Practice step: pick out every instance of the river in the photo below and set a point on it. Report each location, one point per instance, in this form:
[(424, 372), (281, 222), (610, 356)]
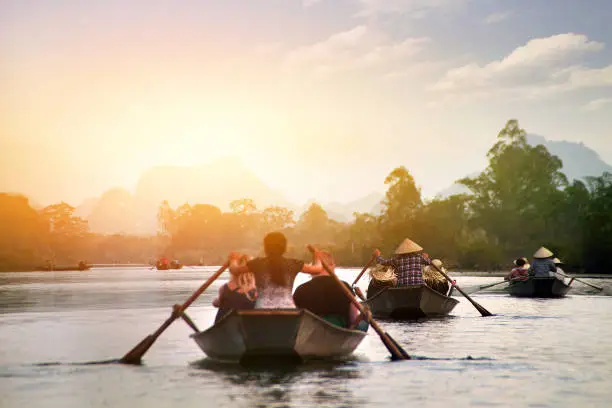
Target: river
[(531, 353)]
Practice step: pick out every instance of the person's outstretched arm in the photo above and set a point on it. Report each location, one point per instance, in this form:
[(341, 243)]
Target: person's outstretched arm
[(315, 268), (382, 261)]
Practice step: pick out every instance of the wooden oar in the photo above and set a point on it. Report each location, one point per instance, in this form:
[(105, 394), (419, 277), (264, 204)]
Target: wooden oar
[(397, 352), (134, 356), (365, 268), (484, 312), (579, 280), (493, 284)]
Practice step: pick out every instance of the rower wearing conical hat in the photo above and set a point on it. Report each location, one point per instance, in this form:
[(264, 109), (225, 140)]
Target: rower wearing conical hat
[(543, 265), (407, 262)]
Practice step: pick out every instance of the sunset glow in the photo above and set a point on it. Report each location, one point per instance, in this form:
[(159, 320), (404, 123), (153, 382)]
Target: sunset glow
[(319, 99)]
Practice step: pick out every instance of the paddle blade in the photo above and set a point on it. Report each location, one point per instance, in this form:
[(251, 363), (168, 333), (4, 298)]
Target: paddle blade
[(403, 354), (134, 356)]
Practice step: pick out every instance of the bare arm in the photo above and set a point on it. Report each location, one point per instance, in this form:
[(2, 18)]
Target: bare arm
[(314, 269), (235, 267)]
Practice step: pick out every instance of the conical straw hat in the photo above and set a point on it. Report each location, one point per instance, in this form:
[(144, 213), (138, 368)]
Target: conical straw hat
[(557, 261), (542, 253), (382, 273), (408, 247)]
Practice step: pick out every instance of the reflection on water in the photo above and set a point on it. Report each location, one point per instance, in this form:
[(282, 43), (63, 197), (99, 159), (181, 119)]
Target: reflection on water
[(533, 352)]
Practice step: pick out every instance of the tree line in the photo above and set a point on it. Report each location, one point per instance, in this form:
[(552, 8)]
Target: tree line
[(521, 201)]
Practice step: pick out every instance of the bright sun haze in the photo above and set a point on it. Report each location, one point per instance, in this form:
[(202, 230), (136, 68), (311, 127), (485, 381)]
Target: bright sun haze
[(319, 99)]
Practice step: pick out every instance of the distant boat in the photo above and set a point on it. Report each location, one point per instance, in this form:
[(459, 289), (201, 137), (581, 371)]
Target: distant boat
[(276, 334), (409, 302), (539, 288), (164, 265), (82, 266)]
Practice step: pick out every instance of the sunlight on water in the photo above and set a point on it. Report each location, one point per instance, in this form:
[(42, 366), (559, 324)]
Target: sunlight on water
[(532, 352)]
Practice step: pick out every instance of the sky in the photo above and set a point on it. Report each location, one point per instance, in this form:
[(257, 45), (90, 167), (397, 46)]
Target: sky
[(319, 98)]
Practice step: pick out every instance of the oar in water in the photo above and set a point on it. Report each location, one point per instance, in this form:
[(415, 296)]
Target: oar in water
[(365, 268), (579, 280), (134, 356), (492, 284), (484, 312), (397, 352)]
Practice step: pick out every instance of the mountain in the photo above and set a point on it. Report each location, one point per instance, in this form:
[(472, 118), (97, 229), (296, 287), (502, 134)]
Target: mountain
[(371, 203), (218, 183), (579, 161)]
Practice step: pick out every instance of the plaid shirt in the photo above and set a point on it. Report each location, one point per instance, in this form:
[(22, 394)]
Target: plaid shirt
[(408, 268)]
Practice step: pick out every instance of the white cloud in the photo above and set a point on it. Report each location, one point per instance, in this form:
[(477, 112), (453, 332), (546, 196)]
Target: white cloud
[(498, 17), (597, 104), (308, 3), (540, 67), (412, 8), (359, 48)]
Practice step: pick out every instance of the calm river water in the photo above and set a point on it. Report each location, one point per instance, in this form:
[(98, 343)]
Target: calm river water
[(532, 353)]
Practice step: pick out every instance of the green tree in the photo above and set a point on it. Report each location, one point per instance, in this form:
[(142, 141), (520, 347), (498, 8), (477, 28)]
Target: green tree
[(277, 218), (514, 198), (23, 233), (598, 225), (401, 205)]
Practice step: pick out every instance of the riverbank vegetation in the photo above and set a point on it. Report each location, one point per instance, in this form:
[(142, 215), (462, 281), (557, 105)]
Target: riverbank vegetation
[(521, 201)]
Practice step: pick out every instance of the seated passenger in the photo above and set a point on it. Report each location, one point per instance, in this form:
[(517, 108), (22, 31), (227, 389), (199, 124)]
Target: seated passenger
[(381, 277), (520, 271), (435, 279), (238, 293), (322, 296)]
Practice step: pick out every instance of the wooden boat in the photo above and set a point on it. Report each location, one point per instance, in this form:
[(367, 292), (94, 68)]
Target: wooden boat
[(60, 268), (279, 334), (161, 266), (409, 302), (539, 288)]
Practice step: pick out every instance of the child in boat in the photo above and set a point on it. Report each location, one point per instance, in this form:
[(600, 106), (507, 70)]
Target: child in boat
[(520, 272), (238, 293)]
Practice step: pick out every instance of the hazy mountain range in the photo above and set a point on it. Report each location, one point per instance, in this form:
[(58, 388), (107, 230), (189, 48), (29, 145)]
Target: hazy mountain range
[(579, 161), (121, 211)]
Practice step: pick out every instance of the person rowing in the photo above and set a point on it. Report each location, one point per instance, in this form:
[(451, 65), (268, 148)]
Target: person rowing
[(274, 274), (408, 263), (542, 265)]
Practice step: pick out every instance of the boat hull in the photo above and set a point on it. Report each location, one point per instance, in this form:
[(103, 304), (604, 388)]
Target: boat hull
[(410, 302), (539, 288), (295, 334)]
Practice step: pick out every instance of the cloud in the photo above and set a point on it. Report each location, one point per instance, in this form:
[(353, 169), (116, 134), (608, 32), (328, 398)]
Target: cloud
[(498, 17), (597, 104), (540, 67), (360, 48), (412, 8)]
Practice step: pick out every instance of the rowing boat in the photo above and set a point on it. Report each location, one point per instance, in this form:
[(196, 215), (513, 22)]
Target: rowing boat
[(409, 302), (291, 334), (539, 288)]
